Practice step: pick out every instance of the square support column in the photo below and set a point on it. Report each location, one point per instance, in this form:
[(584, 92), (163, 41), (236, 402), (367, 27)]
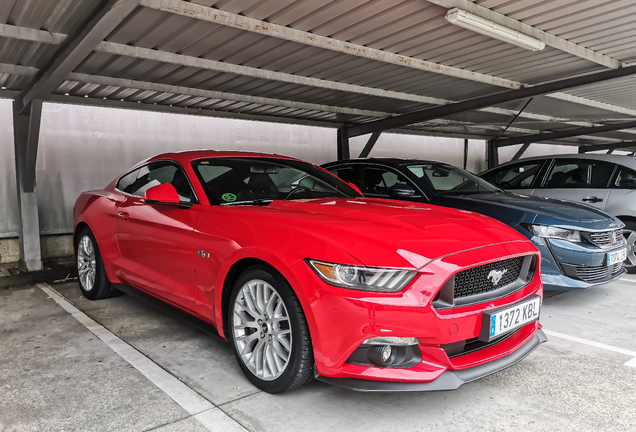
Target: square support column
[(26, 132), (343, 145)]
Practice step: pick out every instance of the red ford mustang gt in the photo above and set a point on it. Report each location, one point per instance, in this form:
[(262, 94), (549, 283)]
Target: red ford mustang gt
[(309, 279)]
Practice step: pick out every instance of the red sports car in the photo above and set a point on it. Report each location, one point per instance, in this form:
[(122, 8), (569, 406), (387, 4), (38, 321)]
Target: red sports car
[(309, 279)]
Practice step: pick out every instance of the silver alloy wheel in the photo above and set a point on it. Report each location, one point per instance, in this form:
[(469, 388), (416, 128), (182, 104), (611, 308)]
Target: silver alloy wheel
[(262, 330), (86, 262), (630, 236)]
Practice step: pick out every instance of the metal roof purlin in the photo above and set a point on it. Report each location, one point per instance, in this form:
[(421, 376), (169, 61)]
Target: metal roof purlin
[(74, 51), (217, 16), (549, 39), (168, 88), (198, 62)]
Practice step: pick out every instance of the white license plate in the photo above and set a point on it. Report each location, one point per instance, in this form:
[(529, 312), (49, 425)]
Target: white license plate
[(616, 256), (507, 319)]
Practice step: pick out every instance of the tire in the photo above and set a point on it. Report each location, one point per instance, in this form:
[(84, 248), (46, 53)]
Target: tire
[(266, 324), (630, 235), (90, 268)]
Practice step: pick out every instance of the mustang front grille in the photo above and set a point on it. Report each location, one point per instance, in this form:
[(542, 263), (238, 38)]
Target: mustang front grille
[(605, 239), (487, 278), (487, 282)]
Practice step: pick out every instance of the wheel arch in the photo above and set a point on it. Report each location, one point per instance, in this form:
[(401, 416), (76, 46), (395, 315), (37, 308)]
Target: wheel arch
[(626, 218), (230, 279), (79, 227)]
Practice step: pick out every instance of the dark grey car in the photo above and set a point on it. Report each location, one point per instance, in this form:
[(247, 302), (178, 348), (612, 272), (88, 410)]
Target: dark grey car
[(607, 182)]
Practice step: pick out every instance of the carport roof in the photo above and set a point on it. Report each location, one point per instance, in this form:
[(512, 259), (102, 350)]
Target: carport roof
[(326, 62)]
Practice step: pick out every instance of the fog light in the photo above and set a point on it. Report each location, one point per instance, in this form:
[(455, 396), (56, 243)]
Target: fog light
[(386, 353)]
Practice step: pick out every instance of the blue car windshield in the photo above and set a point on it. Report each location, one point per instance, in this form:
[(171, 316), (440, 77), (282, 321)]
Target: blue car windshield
[(449, 180)]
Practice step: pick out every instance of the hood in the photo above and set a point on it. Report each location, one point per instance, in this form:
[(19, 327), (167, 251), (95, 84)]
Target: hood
[(387, 233), (513, 209)]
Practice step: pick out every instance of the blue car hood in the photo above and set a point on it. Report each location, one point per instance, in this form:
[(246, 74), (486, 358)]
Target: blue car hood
[(514, 209)]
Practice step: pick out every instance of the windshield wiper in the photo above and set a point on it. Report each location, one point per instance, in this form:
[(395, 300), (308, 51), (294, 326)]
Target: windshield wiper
[(261, 201)]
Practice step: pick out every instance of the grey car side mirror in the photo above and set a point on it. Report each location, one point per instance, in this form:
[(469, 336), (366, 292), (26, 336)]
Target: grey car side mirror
[(401, 191)]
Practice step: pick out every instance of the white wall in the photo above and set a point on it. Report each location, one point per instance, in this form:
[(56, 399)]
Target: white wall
[(83, 148)]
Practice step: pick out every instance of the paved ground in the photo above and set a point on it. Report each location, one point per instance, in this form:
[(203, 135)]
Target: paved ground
[(56, 375)]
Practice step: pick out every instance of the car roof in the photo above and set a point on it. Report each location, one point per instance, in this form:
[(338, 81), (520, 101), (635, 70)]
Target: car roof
[(627, 161), (386, 161), (190, 155)]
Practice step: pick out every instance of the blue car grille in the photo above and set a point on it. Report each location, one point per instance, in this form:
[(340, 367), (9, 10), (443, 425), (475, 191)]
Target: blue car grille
[(486, 278), (606, 239)]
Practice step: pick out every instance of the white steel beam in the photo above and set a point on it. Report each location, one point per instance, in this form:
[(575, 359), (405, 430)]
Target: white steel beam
[(217, 16), (549, 39), (29, 34)]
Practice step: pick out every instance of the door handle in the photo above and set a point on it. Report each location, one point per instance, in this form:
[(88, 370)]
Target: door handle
[(592, 199), (122, 216)]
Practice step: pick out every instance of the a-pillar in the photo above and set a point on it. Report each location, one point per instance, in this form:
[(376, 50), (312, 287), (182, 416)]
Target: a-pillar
[(26, 132)]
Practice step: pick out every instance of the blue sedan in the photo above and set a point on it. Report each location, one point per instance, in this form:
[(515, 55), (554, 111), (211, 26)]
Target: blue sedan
[(580, 245)]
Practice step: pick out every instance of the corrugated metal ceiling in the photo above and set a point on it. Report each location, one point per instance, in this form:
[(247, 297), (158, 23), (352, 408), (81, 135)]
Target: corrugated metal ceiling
[(411, 28)]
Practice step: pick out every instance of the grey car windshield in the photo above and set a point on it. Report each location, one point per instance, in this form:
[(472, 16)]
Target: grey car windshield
[(449, 180)]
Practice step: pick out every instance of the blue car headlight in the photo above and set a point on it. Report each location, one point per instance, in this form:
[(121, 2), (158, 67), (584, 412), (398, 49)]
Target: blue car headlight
[(362, 278), (555, 233)]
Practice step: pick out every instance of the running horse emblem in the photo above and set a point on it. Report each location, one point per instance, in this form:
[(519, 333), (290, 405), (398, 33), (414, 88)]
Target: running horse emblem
[(495, 276)]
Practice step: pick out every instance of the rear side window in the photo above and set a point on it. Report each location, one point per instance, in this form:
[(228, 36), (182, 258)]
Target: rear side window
[(156, 173), (626, 179), (518, 176), (579, 174), (125, 183)]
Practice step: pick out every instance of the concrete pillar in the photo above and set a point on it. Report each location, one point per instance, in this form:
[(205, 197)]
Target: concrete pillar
[(26, 131)]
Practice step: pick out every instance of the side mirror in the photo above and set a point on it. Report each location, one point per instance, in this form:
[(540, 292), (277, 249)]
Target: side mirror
[(355, 188), (162, 194), (401, 191)]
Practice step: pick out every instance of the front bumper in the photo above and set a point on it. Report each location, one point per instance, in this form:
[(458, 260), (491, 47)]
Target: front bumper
[(340, 320), (563, 263), (449, 380)]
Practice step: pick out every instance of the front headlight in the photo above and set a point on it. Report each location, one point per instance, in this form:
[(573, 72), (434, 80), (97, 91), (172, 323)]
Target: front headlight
[(554, 232), (362, 278)]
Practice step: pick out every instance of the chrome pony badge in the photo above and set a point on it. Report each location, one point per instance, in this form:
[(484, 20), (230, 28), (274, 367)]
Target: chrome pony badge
[(495, 276)]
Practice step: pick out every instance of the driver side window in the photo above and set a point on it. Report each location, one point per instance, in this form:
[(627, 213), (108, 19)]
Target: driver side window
[(376, 182)]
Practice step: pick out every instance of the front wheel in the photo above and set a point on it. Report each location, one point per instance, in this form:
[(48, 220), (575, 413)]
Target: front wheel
[(630, 235), (269, 332)]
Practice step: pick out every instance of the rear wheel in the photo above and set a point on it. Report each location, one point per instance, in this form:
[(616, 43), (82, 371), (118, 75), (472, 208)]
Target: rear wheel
[(90, 268), (269, 332)]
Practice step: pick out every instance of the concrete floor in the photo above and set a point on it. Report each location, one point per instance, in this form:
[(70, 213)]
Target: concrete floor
[(55, 375)]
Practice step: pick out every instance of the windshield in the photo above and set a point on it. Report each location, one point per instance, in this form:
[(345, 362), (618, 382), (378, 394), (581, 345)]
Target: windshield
[(261, 180), (449, 180)]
